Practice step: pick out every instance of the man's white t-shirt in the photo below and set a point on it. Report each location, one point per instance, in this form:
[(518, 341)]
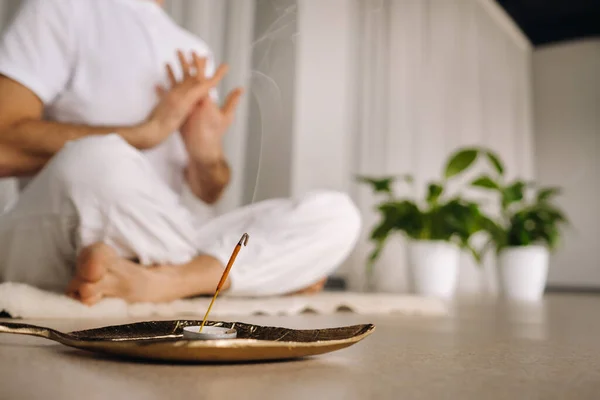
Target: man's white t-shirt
[(97, 62)]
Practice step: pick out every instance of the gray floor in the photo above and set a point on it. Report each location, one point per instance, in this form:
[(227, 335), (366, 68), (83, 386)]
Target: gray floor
[(484, 351)]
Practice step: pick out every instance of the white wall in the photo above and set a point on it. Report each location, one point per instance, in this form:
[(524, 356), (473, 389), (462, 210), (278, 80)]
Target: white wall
[(567, 124)]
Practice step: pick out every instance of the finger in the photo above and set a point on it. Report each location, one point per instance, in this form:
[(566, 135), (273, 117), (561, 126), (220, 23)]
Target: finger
[(200, 65), (171, 75), (195, 91), (201, 89), (218, 75), (91, 300), (232, 102), (185, 66)]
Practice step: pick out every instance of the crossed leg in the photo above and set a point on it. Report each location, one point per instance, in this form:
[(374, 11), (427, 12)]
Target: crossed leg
[(106, 207), (101, 272)]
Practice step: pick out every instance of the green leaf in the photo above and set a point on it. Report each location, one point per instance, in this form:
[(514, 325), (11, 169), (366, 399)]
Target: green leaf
[(384, 184), (396, 216), (477, 255), (485, 182), (547, 194), (459, 162), (379, 185), (534, 224), (496, 163), (404, 215), (381, 231), (489, 245), (549, 214), (550, 235), (433, 193), (524, 238), (497, 234), (513, 193)]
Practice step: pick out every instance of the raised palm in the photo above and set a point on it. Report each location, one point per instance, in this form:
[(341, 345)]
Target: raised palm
[(206, 124)]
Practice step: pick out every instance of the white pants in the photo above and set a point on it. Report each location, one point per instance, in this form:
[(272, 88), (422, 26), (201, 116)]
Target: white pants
[(102, 189)]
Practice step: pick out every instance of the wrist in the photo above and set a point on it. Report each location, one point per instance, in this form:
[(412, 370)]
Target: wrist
[(142, 136), (207, 157), (208, 180)]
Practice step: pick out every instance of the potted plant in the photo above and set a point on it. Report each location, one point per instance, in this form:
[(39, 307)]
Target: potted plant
[(437, 227), (527, 230)]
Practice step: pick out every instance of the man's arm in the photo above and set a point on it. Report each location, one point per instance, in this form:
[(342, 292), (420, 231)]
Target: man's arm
[(16, 163), (27, 142)]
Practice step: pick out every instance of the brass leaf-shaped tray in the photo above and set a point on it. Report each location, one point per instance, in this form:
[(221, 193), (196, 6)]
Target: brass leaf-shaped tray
[(163, 341)]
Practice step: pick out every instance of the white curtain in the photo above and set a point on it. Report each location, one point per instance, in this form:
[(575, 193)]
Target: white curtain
[(436, 75)]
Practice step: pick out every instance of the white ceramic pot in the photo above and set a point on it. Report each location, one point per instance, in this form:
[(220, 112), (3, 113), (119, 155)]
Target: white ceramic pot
[(433, 267), (522, 272)]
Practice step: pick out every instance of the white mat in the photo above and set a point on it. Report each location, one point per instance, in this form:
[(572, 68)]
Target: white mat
[(22, 301)]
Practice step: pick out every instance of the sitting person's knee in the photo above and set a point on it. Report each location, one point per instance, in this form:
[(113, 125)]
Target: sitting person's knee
[(337, 209), (101, 162), (347, 213), (93, 150)]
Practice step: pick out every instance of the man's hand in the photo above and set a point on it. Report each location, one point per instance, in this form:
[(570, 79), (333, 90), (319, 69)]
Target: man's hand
[(202, 131), (206, 123), (175, 106)]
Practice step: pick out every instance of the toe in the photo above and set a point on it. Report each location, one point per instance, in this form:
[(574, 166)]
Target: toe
[(92, 261), (89, 293), (73, 286), (90, 301)]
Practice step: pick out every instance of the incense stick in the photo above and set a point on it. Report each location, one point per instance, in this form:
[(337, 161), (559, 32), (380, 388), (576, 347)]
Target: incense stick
[(236, 250)]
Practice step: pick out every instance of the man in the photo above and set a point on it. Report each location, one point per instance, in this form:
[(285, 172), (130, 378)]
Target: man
[(109, 107)]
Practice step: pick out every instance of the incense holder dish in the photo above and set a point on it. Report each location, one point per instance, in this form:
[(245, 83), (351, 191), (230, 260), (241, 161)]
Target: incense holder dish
[(165, 341), (208, 333)]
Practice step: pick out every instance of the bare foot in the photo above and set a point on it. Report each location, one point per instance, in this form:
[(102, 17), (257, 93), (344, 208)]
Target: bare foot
[(313, 289), (101, 273)]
